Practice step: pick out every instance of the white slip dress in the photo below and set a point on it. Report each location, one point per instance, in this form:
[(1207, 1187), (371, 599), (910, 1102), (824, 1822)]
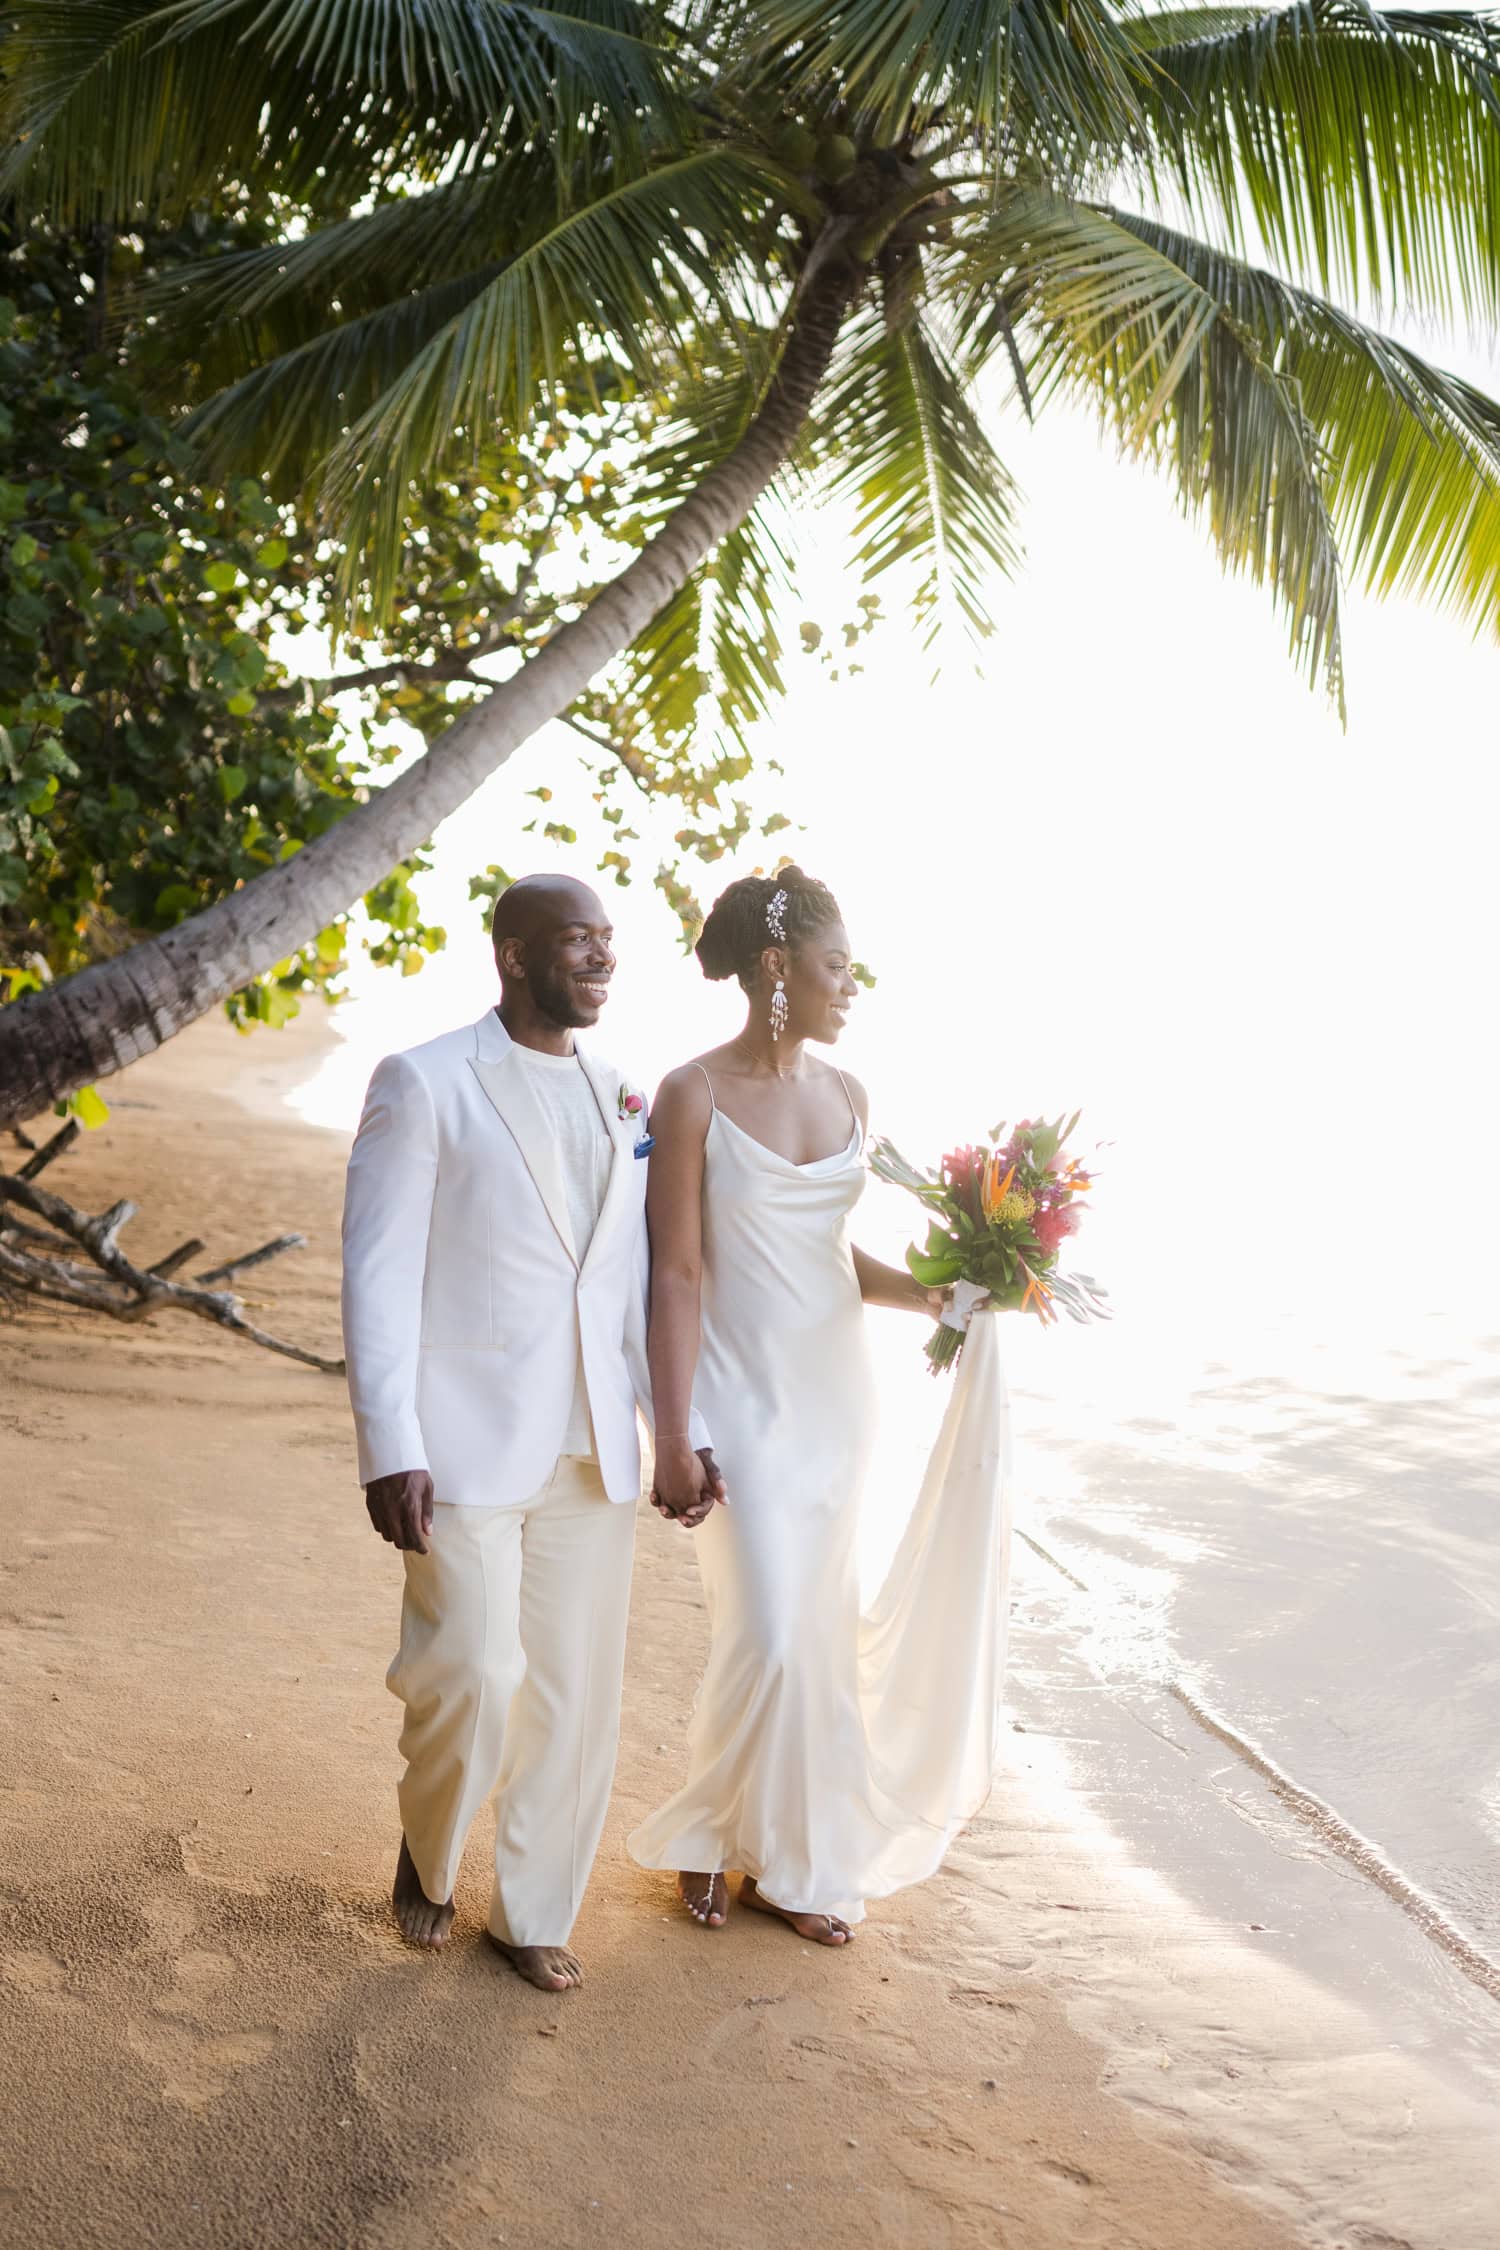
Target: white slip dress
[(831, 1755)]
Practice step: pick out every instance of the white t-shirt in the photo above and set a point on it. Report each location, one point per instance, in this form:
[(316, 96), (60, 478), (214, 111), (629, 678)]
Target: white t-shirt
[(586, 1154)]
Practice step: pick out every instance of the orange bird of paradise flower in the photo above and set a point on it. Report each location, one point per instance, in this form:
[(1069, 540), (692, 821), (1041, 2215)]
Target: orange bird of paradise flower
[(990, 1195)]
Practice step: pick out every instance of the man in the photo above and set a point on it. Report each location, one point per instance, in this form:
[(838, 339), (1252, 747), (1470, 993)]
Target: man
[(494, 1323)]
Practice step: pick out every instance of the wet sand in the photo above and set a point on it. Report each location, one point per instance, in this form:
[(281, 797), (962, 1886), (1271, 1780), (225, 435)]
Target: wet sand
[(213, 2036)]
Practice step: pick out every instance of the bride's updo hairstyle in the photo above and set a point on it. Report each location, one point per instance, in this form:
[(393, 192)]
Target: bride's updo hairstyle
[(737, 932)]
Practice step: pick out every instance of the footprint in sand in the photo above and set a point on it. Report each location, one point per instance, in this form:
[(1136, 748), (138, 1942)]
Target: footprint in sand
[(193, 2059), (40, 1977), (195, 2066)]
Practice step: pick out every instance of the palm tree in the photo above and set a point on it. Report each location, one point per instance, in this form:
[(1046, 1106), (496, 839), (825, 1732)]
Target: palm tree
[(811, 233)]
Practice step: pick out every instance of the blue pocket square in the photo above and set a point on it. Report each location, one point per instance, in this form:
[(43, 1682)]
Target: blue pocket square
[(645, 1145)]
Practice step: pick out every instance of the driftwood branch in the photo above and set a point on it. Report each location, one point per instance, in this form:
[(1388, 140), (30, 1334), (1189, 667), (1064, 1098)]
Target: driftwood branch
[(60, 1141), (251, 1258), (178, 1257), (16, 1230), (112, 1283)]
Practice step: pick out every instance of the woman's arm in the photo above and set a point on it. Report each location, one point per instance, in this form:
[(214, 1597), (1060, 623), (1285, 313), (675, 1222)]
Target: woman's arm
[(674, 1215), (880, 1284)]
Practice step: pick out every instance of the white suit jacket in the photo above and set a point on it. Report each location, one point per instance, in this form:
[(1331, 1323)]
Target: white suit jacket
[(465, 1306)]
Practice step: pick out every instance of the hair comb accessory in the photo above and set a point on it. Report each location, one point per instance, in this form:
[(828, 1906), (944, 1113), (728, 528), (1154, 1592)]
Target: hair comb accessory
[(776, 917)]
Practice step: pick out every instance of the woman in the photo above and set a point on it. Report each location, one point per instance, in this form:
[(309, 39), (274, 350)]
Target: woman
[(815, 1764)]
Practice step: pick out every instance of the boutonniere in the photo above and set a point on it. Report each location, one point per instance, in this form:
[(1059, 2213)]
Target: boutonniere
[(633, 1111)]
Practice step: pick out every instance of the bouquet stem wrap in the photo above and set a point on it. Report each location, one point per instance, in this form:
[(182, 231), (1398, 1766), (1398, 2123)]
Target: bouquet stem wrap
[(967, 1297), (947, 1338)]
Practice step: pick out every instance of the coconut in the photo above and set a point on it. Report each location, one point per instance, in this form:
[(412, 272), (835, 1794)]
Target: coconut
[(796, 147), (837, 157)]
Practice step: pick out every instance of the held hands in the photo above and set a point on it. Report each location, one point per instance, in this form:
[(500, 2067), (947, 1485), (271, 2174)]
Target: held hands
[(687, 1484), (400, 1508)]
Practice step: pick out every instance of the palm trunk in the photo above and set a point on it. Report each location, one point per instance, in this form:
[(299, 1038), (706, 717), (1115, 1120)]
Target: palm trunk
[(110, 1014)]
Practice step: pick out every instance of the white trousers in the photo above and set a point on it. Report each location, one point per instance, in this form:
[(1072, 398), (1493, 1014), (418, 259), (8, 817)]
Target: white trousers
[(510, 1666)]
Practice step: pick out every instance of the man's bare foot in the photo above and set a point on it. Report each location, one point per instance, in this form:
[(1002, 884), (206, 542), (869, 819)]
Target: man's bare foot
[(706, 1898), (820, 1929), (551, 1968), (421, 1922)]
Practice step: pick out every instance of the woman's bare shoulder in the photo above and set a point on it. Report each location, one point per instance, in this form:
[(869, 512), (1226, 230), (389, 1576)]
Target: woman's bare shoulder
[(857, 1093), (684, 1095)]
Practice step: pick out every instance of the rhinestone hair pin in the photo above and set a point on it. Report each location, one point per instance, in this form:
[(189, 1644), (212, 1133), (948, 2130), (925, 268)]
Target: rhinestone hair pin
[(776, 917)]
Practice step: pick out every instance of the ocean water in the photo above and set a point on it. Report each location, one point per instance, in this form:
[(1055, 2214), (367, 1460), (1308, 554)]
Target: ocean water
[(1269, 1555)]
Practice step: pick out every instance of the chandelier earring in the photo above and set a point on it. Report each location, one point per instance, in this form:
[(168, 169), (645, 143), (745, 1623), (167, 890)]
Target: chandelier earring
[(776, 924)]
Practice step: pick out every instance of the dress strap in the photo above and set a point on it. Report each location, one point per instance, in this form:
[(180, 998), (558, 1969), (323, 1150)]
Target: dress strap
[(708, 1082), (849, 1098)]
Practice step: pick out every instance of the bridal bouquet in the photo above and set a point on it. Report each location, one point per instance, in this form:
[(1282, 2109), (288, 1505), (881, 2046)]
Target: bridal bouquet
[(1000, 1216)]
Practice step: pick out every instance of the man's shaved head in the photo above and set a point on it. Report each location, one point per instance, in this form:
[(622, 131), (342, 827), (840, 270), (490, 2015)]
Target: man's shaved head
[(555, 956), (545, 902)]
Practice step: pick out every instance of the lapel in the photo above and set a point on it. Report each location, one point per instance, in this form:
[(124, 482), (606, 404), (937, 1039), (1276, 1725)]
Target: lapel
[(622, 1131), (508, 1091)]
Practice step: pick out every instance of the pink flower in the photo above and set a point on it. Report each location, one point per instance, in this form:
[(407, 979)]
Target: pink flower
[(1052, 1227), (632, 1105)]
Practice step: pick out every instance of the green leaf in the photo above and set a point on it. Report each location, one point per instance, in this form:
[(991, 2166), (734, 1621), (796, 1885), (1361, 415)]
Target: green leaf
[(89, 1107), (934, 1273), (275, 1006), (272, 553), (232, 779), (221, 576)]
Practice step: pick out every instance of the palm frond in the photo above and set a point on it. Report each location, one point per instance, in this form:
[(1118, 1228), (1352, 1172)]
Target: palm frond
[(291, 410), (1361, 148), (716, 647), (1112, 318), (1058, 79), (631, 273), (899, 435), (237, 312), (711, 658), (115, 107), (1410, 453)]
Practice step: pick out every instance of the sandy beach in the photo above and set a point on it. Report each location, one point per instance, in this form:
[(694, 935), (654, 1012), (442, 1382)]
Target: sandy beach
[(215, 2038)]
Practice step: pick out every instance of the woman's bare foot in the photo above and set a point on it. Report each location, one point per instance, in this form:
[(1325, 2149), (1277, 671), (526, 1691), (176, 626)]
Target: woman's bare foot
[(820, 1929), (706, 1898), (551, 1968), (420, 1921)]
